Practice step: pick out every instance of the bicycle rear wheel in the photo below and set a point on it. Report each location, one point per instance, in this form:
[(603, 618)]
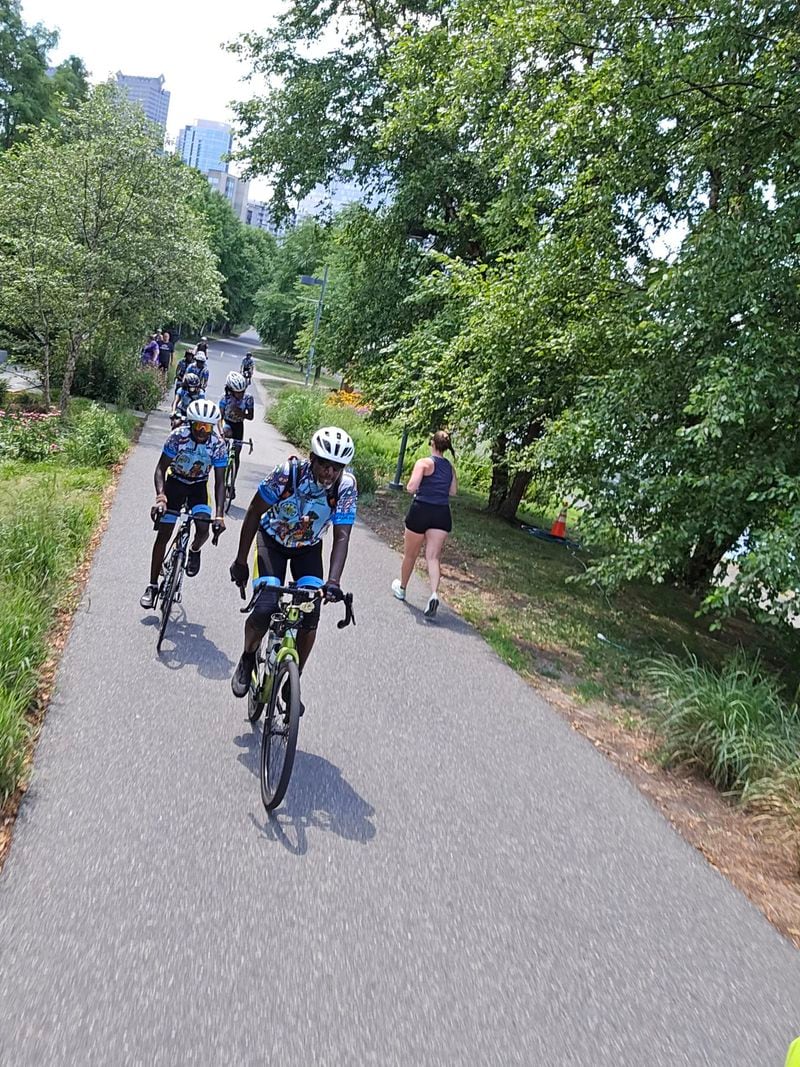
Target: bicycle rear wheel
[(279, 739), (171, 581)]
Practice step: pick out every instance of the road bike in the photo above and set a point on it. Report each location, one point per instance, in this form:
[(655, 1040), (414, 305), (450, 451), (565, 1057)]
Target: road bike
[(173, 569), (275, 681), (230, 470)]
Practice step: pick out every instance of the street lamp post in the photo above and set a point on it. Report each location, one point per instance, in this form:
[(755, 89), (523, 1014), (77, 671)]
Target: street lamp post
[(307, 279), (398, 474)]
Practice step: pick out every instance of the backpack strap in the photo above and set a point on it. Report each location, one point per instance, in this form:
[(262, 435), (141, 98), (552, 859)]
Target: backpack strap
[(287, 492)]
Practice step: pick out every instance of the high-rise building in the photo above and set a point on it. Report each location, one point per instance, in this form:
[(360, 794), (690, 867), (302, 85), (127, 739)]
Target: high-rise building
[(149, 92), (232, 188), (203, 145), (258, 214)]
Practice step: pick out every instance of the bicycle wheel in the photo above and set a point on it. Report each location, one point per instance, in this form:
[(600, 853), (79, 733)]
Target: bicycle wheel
[(171, 582), (255, 694), (279, 739), (228, 487)]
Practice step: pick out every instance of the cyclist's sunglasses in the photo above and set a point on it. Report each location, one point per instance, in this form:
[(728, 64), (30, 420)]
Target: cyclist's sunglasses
[(203, 427)]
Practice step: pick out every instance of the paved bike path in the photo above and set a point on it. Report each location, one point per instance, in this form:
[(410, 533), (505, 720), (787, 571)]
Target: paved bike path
[(456, 877)]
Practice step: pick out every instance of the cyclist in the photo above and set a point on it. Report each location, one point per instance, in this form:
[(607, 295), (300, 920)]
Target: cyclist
[(200, 367), (202, 346), (189, 391), (235, 406), (247, 367), (182, 366), (181, 477), (293, 507)]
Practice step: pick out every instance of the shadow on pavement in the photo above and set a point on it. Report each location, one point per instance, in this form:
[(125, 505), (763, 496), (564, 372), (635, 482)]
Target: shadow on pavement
[(185, 644), (445, 620), (319, 798)]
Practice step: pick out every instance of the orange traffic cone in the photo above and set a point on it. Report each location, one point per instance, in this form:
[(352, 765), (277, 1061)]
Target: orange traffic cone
[(559, 527)]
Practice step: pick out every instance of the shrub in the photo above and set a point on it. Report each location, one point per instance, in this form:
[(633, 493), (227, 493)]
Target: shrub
[(29, 435), (3, 392), (14, 733), (733, 725), (142, 389), (95, 438)]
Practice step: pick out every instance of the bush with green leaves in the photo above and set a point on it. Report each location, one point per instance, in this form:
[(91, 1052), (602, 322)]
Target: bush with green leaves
[(95, 438), (733, 725), (142, 389), (29, 435)]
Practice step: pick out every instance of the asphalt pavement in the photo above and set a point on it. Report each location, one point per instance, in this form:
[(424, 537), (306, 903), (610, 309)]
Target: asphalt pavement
[(455, 877)]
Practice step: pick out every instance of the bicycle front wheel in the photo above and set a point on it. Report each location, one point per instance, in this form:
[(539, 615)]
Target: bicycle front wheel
[(169, 587), (228, 487), (279, 739)]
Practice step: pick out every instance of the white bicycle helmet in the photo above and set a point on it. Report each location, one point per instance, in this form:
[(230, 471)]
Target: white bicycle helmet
[(236, 381), (200, 357), (330, 442), (203, 411)]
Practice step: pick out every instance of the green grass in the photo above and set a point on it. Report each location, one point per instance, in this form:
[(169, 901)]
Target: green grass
[(270, 365), (48, 513)]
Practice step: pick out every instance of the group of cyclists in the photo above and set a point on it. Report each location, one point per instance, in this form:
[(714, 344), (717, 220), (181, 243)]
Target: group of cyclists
[(294, 506)]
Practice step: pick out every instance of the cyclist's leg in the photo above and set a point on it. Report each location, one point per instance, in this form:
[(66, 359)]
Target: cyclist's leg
[(272, 560), (175, 497), (308, 562), (237, 437)]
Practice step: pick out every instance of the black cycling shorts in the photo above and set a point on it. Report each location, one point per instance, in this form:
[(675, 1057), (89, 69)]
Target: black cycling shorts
[(237, 430), (193, 494), (273, 559), (422, 517)]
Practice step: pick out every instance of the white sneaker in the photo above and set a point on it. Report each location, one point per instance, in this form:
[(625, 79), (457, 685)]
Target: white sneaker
[(432, 608), (398, 590)]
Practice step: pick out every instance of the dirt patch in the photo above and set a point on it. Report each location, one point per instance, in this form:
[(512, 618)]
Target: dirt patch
[(56, 640), (754, 852)]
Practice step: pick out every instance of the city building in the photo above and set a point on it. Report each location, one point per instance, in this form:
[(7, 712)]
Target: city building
[(149, 92), (258, 214), (204, 145), (330, 200), (232, 188)]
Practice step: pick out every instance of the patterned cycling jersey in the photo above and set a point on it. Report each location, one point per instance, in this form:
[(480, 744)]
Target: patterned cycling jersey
[(191, 461), (299, 514), (234, 410), (181, 368), (184, 399), (201, 372)]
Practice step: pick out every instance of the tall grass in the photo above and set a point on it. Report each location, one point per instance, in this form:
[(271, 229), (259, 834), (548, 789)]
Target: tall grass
[(48, 514), (733, 725)]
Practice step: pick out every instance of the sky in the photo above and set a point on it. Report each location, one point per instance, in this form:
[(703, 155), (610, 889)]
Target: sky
[(175, 38)]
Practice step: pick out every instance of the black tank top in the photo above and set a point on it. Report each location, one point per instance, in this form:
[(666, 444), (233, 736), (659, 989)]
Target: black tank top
[(435, 488)]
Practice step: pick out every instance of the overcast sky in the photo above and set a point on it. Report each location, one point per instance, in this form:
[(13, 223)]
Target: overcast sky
[(171, 37)]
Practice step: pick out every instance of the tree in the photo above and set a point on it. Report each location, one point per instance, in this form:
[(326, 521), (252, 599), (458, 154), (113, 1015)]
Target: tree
[(97, 233), (282, 304), (25, 90), (243, 256)]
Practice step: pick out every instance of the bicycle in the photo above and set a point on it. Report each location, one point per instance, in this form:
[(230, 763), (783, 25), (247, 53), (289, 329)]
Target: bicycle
[(276, 669), (173, 569), (230, 470)]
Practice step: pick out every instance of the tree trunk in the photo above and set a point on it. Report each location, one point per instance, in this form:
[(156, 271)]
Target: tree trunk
[(508, 508), (699, 568), (46, 374), (317, 374), (69, 374), (499, 487)]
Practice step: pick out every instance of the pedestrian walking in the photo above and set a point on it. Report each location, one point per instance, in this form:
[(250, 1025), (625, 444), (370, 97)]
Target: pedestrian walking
[(149, 356), (165, 348), (428, 521)]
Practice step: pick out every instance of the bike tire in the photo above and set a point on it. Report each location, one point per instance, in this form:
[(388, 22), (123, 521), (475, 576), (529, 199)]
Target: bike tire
[(168, 596), (254, 704), (279, 738), (228, 488)]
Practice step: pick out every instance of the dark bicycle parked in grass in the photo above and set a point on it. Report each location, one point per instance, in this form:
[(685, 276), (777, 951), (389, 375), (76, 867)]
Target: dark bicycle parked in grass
[(275, 681)]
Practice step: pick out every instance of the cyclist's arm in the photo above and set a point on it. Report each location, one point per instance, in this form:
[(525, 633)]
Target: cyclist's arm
[(160, 474), (421, 468), (258, 505), (341, 543), (249, 411), (219, 491)]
